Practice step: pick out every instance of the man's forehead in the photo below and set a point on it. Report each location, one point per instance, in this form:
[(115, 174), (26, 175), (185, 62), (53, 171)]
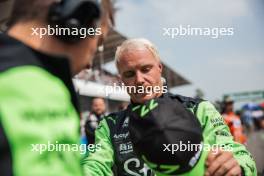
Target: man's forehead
[(137, 55), (98, 100)]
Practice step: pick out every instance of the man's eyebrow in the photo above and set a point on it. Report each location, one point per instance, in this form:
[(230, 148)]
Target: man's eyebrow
[(146, 65)]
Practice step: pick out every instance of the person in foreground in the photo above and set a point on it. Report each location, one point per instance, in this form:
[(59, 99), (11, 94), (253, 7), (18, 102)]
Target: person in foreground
[(38, 104), (138, 64)]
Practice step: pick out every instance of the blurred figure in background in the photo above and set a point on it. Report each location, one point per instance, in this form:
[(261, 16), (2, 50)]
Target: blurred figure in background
[(258, 117), (247, 121), (233, 121), (96, 115), (262, 117), (255, 139), (252, 116)]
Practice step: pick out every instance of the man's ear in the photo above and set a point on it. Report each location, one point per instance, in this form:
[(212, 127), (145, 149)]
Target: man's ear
[(160, 67)]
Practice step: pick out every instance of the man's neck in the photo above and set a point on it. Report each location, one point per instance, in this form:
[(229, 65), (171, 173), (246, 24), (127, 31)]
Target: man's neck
[(24, 32)]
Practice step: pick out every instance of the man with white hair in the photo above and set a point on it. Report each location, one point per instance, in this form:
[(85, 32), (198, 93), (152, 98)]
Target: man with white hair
[(138, 64)]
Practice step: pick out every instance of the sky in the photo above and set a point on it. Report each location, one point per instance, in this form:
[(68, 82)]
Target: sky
[(227, 64)]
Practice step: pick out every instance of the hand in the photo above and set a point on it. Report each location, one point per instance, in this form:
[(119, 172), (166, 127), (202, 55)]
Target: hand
[(222, 163)]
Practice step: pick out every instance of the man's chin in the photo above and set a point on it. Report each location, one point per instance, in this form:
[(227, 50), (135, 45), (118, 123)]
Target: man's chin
[(143, 98)]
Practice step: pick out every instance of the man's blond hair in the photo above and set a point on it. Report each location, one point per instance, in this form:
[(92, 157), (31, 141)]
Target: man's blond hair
[(136, 44)]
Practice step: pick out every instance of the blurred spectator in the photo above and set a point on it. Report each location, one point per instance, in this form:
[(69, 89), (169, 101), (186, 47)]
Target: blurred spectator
[(84, 116), (95, 116), (252, 116), (233, 121), (247, 120), (199, 94), (262, 105), (261, 123), (262, 119), (257, 115)]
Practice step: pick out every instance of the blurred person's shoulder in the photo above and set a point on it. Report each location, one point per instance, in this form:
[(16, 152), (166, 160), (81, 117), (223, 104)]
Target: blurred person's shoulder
[(14, 53)]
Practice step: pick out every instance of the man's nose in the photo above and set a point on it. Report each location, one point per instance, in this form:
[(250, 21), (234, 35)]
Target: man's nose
[(139, 80)]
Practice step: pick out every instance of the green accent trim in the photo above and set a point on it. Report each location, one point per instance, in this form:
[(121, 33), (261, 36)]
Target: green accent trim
[(146, 109), (112, 119), (169, 169), (153, 104), (150, 164), (135, 108), (143, 111)]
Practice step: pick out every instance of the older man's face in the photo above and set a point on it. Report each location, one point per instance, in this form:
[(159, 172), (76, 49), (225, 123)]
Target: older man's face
[(140, 68)]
